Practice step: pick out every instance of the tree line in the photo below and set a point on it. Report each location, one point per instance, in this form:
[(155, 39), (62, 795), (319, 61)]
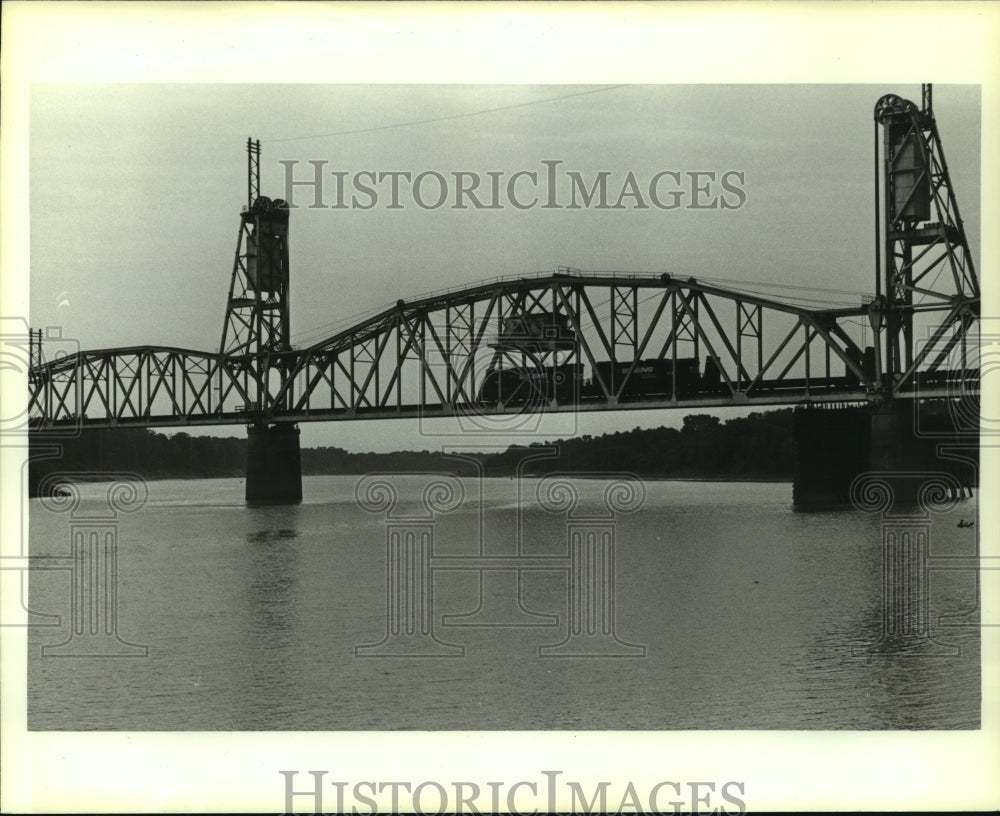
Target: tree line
[(760, 445)]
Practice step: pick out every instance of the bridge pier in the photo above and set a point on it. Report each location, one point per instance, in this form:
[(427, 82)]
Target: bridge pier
[(835, 446), (274, 465), (831, 448)]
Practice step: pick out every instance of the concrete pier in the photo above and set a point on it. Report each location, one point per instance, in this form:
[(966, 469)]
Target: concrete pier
[(274, 465), (835, 446), (832, 447)]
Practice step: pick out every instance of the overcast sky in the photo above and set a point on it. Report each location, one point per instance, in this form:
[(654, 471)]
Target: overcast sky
[(136, 192)]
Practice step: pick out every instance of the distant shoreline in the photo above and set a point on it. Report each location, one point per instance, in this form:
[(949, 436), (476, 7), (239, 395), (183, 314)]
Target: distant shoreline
[(757, 448)]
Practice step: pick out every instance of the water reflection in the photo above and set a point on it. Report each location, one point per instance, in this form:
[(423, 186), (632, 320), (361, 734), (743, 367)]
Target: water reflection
[(907, 505), (917, 579), (265, 536), (903, 625), (272, 563), (884, 653), (253, 616)]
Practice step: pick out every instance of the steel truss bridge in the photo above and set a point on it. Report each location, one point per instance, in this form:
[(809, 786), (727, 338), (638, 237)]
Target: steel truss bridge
[(568, 340)]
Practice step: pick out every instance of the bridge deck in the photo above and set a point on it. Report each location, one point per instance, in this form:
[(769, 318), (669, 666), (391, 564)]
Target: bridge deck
[(775, 398), (554, 344)]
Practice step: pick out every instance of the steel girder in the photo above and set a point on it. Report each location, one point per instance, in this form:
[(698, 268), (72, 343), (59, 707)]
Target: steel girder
[(432, 357), (140, 386), (930, 282)]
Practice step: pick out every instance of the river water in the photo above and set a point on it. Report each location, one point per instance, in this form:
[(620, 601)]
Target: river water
[(730, 611)]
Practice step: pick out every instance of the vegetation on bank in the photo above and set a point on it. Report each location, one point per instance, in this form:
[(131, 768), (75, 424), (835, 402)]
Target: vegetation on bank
[(759, 446)]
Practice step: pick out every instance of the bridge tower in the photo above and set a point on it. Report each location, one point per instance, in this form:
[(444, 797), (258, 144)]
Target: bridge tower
[(924, 268), (255, 341), (923, 258), (925, 311)]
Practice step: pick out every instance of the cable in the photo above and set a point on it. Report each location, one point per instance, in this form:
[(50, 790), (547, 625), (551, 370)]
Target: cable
[(923, 295), (787, 286), (804, 302), (450, 118)]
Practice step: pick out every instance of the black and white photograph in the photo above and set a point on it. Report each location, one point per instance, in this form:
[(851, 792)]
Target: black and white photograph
[(466, 439)]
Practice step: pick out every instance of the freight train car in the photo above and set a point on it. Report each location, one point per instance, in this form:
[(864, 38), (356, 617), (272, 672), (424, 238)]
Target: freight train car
[(656, 379), (532, 385), (648, 378)]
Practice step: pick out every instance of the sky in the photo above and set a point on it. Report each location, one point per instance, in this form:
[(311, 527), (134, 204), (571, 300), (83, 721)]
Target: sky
[(133, 193), (136, 189)]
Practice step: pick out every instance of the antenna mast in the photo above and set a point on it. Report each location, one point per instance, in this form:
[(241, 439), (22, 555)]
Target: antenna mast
[(253, 171)]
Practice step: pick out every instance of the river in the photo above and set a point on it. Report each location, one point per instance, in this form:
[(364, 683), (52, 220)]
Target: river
[(730, 611)]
